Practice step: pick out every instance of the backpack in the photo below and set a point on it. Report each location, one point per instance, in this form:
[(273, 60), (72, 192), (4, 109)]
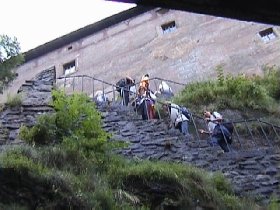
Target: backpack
[(227, 130), (185, 112)]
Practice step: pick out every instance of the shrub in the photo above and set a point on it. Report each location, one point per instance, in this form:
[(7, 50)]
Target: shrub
[(75, 116), (17, 160), (43, 133), (184, 186), (271, 81), (234, 92)]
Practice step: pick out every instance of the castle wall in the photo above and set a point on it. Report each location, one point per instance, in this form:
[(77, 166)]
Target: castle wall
[(137, 46)]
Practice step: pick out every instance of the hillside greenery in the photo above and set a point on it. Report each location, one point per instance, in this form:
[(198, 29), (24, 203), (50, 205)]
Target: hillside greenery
[(242, 93), (68, 163)]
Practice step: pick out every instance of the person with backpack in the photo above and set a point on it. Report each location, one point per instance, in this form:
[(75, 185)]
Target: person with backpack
[(220, 132), (212, 118), (123, 87), (179, 116)]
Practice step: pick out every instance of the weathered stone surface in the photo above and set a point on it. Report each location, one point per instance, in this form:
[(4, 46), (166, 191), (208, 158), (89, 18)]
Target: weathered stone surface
[(255, 171), (36, 97), (248, 170)]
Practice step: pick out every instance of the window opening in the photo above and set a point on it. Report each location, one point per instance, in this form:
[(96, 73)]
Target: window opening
[(69, 68), (267, 34), (168, 27)]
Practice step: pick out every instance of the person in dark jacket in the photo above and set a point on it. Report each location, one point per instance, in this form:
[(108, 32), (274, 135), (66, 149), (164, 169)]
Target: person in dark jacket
[(123, 87), (220, 132)]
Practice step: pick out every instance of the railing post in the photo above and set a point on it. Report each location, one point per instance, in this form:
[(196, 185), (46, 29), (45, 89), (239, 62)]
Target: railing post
[(254, 140), (238, 138), (82, 83), (224, 136), (103, 92), (264, 133), (73, 84), (122, 98), (92, 87), (64, 85), (114, 94), (275, 132), (196, 131)]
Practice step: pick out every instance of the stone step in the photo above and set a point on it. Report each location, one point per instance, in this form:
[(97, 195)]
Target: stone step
[(44, 108)]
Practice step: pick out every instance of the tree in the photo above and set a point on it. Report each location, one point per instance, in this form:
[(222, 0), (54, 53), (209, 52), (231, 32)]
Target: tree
[(10, 57)]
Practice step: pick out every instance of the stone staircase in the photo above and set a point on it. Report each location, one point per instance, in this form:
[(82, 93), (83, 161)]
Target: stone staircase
[(36, 95), (253, 172)]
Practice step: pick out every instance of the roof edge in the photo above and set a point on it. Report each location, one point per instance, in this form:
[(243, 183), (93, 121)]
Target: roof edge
[(84, 32)]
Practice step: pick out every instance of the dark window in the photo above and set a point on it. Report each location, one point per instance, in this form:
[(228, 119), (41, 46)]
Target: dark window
[(168, 27), (69, 68), (267, 34)]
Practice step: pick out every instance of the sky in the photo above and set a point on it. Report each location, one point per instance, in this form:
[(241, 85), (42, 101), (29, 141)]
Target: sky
[(35, 22)]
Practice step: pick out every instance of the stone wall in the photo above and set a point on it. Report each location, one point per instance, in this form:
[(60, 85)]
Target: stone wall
[(137, 46), (254, 172), (36, 95)]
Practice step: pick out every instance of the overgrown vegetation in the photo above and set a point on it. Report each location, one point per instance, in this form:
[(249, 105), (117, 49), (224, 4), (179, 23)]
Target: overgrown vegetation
[(68, 163), (259, 93)]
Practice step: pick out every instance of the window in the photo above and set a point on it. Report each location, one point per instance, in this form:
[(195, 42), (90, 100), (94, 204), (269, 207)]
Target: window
[(267, 34), (69, 68), (168, 27)]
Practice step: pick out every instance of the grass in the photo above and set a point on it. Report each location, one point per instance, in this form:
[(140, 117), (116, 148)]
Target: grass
[(235, 92), (179, 184), (14, 101), (68, 163)]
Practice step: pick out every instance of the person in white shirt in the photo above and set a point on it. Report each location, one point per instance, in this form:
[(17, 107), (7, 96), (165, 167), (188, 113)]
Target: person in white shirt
[(164, 91), (177, 118), (212, 120), (100, 97)]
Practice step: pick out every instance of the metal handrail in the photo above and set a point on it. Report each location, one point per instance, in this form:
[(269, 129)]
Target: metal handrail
[(194, 117), (107, 92), (246, 121)]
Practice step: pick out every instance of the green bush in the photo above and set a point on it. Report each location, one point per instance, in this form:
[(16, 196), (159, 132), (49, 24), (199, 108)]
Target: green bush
[(17, 160), (43, 133), (221, 184), (181, 185), (234, 92), (271, 81), (74, 116)]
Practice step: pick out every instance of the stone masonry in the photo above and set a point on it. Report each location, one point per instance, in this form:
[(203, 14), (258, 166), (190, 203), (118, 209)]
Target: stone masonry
[(138, 45), (254, 172), (36, 95)]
